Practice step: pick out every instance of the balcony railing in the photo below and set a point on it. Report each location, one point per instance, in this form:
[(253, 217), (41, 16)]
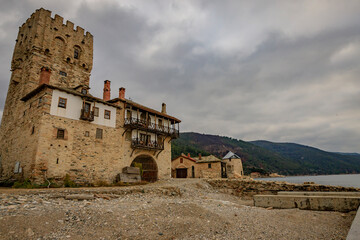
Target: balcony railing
[(139, 143), (87, 115), (151, 127)]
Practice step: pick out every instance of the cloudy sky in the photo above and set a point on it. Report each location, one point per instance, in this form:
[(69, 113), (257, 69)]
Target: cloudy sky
[(284, 71)]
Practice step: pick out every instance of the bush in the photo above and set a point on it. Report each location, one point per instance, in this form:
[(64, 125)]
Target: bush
[(68, 182), (24, 184), (101, 183)]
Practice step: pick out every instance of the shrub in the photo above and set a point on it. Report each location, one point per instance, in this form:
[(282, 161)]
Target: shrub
[(68, 182), (24, 184)]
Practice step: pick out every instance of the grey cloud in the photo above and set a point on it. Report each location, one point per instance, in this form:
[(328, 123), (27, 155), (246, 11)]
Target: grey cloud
[(276, 84)]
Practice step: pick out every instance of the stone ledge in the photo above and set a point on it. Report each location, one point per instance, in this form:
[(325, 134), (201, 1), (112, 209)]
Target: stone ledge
[(319, 203), (354, 231)]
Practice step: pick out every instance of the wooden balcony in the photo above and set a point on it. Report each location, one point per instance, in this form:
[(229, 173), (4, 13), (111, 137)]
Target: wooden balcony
[(87, 115), (135, 123), (152, 145)]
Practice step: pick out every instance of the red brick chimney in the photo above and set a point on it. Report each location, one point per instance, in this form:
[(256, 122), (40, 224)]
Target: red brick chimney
[(45, 76), (106, 94), (199, 156), (163, 108), (122, 93)]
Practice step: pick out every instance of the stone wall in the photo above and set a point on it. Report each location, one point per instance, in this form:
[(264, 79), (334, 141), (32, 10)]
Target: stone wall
[(87, 159), (202, 170), (20, 137), (28, 132), (250, 187), (236, 168), (187, 163)]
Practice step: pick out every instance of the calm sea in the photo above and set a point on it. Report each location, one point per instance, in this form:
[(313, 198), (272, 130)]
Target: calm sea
[(345, 180)]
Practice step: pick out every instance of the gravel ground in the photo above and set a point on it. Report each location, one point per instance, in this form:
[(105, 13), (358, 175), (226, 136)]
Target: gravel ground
[(172, 209)]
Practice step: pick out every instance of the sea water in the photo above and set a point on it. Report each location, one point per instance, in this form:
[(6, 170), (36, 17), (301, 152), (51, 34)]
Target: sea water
[(344, 180)]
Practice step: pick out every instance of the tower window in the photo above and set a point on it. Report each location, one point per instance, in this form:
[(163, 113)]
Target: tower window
[(99, 133), (63, 73), (60, 134), (62, 102), (76, 53), (87, 133), (181, 160)]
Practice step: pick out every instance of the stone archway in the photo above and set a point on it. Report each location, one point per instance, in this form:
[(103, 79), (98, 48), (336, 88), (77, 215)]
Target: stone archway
[(148, 166)]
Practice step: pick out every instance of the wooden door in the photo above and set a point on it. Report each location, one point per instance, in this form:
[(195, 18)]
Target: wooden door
[(181, 173)]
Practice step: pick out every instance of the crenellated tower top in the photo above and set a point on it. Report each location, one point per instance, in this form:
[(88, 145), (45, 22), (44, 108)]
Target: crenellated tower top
[(44, 41)]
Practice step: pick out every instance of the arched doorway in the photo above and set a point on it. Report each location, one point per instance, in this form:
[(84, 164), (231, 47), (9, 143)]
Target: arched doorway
[(148, 167)]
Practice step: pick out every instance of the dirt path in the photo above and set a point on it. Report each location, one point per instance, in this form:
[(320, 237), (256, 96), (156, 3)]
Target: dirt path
[(173, 209)]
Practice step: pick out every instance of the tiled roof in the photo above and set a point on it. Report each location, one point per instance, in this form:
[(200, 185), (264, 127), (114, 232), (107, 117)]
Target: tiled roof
[(67, 90), (184, 156), (210, 158), (147, 109), (231, 155)]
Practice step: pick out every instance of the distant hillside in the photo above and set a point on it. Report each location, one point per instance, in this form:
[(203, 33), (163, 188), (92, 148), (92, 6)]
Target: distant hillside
[(263, 157), (315, 160), (254, 158)]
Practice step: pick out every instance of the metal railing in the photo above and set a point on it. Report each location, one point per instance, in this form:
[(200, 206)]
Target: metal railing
[(150, 126), (87, 115), (139, 143)]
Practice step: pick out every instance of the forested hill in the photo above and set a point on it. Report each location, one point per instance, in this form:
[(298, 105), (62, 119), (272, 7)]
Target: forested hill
[(264, 157), (315, 160)]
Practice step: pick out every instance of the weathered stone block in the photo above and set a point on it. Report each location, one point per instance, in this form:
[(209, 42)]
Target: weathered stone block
[(128, 178), (131, 170)]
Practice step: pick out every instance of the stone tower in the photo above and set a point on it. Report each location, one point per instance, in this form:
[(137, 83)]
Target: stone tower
[(46, 43), (52, 127), (46, 51)]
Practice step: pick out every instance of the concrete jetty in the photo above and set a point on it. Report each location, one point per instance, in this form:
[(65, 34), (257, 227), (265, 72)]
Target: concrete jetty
[(321, 201)]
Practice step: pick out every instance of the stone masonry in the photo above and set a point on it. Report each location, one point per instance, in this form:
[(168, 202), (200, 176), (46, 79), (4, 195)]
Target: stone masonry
[(43, 136)]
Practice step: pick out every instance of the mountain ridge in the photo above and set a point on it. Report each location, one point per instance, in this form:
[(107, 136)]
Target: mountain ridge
[(268, 157)]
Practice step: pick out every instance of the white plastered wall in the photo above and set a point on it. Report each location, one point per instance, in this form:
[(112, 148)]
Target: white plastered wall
[(74, 105)]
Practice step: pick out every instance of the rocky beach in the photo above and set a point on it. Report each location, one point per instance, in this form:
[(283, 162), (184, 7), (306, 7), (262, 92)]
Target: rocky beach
[(169, 209)]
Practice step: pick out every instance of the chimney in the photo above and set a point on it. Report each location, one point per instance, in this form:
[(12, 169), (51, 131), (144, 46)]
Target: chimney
[(106, 94), (122, 93), (163, 108), (45, 76), (199, 156)]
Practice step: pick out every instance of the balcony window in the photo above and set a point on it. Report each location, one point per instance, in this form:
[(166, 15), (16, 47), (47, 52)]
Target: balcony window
[(128, 114), (86, 114), (143, 116), (96, 111)]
